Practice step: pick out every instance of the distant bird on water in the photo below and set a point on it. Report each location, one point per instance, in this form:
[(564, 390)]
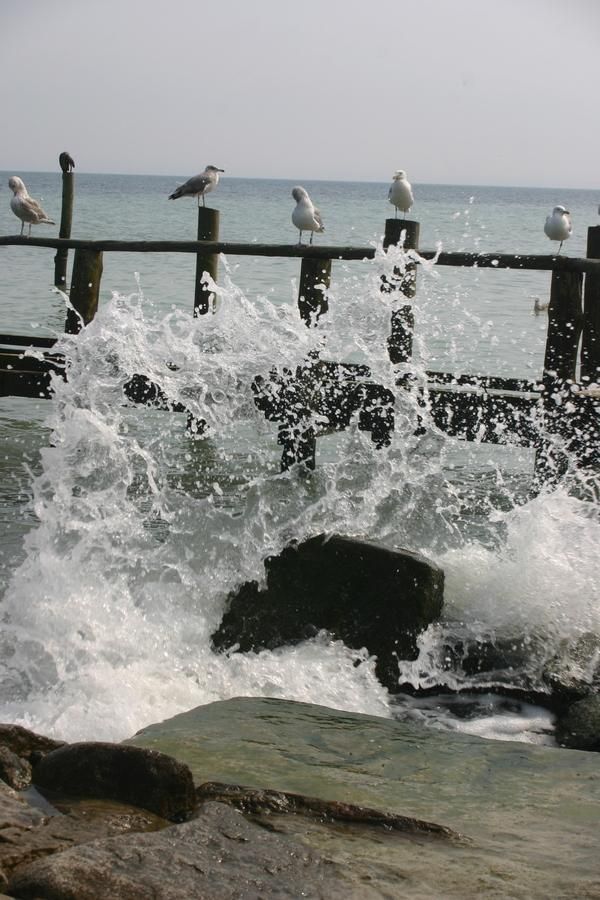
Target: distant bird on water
[(558, 226), (400, 193), (198, 185), (306, 216), (25, 207), (66, 161)]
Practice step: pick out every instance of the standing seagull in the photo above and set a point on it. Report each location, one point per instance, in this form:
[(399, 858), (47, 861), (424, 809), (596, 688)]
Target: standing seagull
[(400, 193), (198, 185), (558, 226), (305, 216), (25, 207)]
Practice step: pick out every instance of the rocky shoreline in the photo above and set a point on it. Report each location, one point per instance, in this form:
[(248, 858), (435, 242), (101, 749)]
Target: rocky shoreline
[(91, 820)]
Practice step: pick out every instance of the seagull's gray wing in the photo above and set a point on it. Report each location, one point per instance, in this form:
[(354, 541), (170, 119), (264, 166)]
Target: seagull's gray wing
[(197, 184)]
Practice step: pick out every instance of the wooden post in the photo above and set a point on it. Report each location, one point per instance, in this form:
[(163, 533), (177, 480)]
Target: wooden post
[(565, 318), (66, 219), (208, 230), (315, 278), (403, 320), (590, 342), (85, 289)]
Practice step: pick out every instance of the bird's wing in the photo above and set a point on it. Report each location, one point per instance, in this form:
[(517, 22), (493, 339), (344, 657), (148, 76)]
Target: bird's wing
[(32, 207), (318, 218), (196, 184)]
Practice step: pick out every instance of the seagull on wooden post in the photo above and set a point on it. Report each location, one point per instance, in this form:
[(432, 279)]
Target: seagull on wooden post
[(558, 226), (198, 185), (400, 193), (306, 216), (25, 207)]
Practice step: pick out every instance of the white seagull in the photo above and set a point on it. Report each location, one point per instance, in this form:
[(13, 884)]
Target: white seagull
[(25, 207), (558, 226), (400, 193), (305, 216), (198, 185)]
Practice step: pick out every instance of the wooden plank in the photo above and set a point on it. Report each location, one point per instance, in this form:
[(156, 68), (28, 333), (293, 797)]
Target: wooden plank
[(26, 340), (295, 251)]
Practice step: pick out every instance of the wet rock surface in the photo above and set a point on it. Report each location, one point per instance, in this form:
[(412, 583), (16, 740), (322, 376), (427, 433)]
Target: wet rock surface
[(218, 855), (364, 594)]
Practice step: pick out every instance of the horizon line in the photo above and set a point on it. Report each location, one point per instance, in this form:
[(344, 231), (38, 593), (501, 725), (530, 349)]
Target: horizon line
[(311, 179)]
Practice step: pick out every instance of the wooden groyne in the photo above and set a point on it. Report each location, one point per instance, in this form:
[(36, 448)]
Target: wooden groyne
[(563, 403)]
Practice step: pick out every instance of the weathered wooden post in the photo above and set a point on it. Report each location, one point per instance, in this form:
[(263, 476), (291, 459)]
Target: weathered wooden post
[(85, 289), (315, 278), (66, 219), (208, 230), (403, 320), (590, 341), (565, 319)]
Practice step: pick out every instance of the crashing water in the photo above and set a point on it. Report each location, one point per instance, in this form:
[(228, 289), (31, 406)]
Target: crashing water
[(142, 528)]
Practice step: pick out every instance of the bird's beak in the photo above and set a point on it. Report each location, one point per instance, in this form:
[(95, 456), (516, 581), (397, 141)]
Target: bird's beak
[(220, 170), (566, 212)]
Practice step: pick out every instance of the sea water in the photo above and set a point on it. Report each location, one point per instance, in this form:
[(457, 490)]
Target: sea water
[(122, 534)]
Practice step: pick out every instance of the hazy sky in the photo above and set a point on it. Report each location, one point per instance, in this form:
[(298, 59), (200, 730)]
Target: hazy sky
[(454, 91)]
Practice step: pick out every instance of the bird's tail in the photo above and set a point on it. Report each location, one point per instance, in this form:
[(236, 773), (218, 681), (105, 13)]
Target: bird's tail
[(176, 194), (47, 221)]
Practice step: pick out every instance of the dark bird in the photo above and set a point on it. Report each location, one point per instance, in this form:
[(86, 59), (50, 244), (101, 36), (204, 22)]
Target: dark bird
[(198, 185), (66, 161)]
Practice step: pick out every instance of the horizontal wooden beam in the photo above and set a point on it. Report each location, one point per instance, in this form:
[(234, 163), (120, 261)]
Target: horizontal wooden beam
[(542, 263)]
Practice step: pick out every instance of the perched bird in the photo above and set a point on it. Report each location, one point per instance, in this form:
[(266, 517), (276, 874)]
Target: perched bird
[(25, 207), (400, 193), (198, 185), (66, 161), (558, 226), (539, 307), (305, 216)]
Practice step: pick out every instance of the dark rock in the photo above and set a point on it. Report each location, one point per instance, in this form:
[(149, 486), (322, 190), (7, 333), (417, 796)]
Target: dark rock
[(574, 670), (364, 594), (579, 728), (14, 771), (217, 856), (26, 744), (143, 778), (259, 802)]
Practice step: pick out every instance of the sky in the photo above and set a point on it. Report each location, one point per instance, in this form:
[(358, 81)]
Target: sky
[(501, 92)]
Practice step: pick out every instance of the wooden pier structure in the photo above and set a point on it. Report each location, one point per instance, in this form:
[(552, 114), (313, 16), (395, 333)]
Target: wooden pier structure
[(563, 404)]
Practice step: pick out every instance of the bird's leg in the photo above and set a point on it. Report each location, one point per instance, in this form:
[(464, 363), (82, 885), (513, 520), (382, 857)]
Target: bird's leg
[(311, 237), (22, 227), (560, 248), (203, 200), (29, 235), (395, 212), (300, 239)]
